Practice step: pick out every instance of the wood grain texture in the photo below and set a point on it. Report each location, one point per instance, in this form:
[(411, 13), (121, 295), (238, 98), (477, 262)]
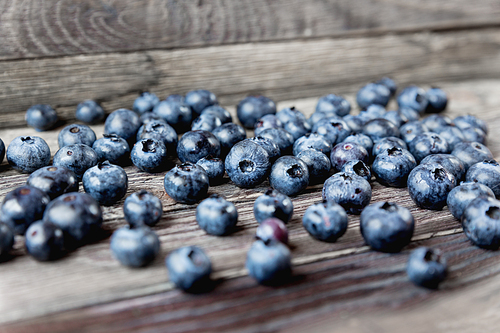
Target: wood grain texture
[(62, 27), (283, 71), (89, 291)]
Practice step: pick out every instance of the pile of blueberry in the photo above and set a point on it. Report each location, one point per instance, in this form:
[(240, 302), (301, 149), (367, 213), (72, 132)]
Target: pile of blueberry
[(441, 161)]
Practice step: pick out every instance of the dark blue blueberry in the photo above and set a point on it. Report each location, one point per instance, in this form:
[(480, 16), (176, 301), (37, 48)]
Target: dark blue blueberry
[(318, 164), (161, 131), (471, 153), (73, 134), (387, 143), (470, 120), (186, 183), (216, 215), (362, 140), (345, 152), (195, 145), (135, 246), (461, 196), (142, 208), (481, 222), (149, 155), (426, 144), (409, 113), (6, 240), (124, 123), (386, 227), (326, 221), (200, 99), (377, 129), (452, 135), (351, 191), (297, 128), (449, 162), (44, 241), (289, 175), (357, 167), (175, 98), (389, 83), (219, 112), (373, 111), (247, 164), (288, 114), (411, 129), (333, 129), (189, 268), (312, 141), (396, 117), (176, 114), (271, 147), (77, 158), (429, 185), (373, 93), (253, 108), (28, 153), (437, 100), (146, 117), (487, 173), (333, 103), (435, 122), (77, 214), (281, 137), (272, 229), (317, 116), (89, 112), (41, 117), (273, 204), (112, 148), (214, 167), (474, 134), (54, 181), (23, 206), (426, 267), (206, 122), (267, 121), (106, 183), (414, 98), (355, 123), (2, 151), (145, 102), (228, 135), (393, 166), (269, 263)]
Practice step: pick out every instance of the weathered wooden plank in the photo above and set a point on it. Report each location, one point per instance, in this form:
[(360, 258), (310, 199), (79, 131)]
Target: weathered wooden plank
[(57, 27), (283, 71)]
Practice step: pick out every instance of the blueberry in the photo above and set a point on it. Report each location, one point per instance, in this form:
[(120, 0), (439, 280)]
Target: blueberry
[(409, 113), (189, 268), (371, 112), (200, 99), (437, 100), (28, 153), (389, 83), (358, 168), (361, 139), (146, 117), (373, 93), (206, 122), (228, 135), (175, 98), (124, 123), (216, 215), (269, 263), (345, 152), (267, 121), (77, 158), (271, 147), (41, 117), (486, 173), (90, 112), (348, 190), (247, 164), (426, 267), (195, 145), (6, 240), (112, 148), (219, 112), (326, 221), (135, 246), (289, 175), (186, 183), (471, 153), (452, 135), (145, 102), (318, 164), (54, 181), (426, 144), (396, 117), (289, 114), (252, 108), (393, 166), (2, 151), (282, 138), (273, 204), (214, 167), (297, 128), (413, 97), (378, 128), (160, 131), (44, 241), (481, 222), (429, 185), (386, 226), (411, 130), (317, 116), (272, 229), (106, 183), (435, 122), (355, 123), (142, 208), (470, 120), (449, 162), (175, 113), (77, 214), (333, 103), (386, 143), (333, 129), (312, 141), (74, 134), (474, 134), (461, 196)]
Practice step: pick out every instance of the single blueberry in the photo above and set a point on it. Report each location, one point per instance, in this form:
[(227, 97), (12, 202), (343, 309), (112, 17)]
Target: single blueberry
[(195, 145), (124, 123), (272, 229), (75, 134), (297, 127), (142, 208), (89, 112), (146, 117), (481, 222), (216, 215), (358, 168), (175, 98), (112, 148), (200, 99), (355, 123), (273, 204), (378, 128), (409, 113), (318, 115), (389, 83), (373, 111), (413, 97), (426, 267), (228, 135), (452, 135), (41, 117), (426, 144), (435, 122), (429, 185), (160, 131), (351, 191), (219, 112), (135, 246), (281, 137), (318, 164), (247, 164), (437, 100), (28, 153), (470, 120), (44, 241), (189, 268), (461, 196), (333, 103), (145, 102), (449, 162), (77, 158), (149, 155), (387, 143), (345, 152), (393, 166), (373, 93), (471, 153), (271, 147), (54, 181), (6, 240), (474, 134), (175, 113), (411, 130), (269, 263), (335, 130), (487, 173), (267, 121), (106, 183), (214, 167), (289, 175), (326, 221), (312, 141), (252, 108), (206, 122), (361, 139), (186, 183), (396, 117), (289, 114)]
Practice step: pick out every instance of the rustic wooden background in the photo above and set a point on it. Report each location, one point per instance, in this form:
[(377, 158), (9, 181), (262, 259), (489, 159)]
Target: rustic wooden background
[(61, 52)]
